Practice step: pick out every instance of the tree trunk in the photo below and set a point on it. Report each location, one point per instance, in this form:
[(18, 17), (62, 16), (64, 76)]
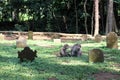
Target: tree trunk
[(85, 16), (15, 15), (57, 25), (65, 22), (96, 31), (92, 21), (76, 14), (111, 22), (102, 15)]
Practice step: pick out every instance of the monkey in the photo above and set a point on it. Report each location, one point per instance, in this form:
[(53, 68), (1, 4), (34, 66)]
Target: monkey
[(63, 51), (27, 53), (75, 50)]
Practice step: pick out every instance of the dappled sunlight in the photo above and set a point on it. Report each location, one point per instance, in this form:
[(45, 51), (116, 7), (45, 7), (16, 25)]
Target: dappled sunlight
[(115, 67), (8, 68), (59, 39), (7, 41), (73, 63), (94, 44), (49, 65), (42, 43)]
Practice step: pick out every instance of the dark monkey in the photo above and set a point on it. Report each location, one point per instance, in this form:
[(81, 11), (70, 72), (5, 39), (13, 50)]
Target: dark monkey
[(27, 53)]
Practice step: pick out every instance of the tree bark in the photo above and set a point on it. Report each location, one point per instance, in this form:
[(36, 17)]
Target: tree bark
[(92, 21), (85, 16), (76, 14), (65, 22), (96, 31), (15, 15), (111, 22)]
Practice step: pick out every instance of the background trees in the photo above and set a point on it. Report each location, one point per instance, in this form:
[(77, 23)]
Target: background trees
[(111, 21), (69, 16)]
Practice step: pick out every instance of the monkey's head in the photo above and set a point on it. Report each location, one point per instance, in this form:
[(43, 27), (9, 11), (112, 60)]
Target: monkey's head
[(66, 46), (78, 45), (26, 48)]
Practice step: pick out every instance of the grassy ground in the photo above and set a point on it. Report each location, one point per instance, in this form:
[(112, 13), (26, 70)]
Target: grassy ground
[(47, 65)]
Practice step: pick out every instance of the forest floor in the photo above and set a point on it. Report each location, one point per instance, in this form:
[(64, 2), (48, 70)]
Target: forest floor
[(97, 76)]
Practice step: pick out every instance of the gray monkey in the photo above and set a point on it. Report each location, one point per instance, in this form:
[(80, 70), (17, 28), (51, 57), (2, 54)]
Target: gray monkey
[(76, 50)]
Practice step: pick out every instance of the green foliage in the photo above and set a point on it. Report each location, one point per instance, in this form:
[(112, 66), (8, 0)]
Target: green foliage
[(47, 65), (46, 15), (20, 27), (117, 1)]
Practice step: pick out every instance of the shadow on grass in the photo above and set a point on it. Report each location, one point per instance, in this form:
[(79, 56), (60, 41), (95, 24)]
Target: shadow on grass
[(111, 54), (8, 60), (44, 68), (67, 71), (66, 68)]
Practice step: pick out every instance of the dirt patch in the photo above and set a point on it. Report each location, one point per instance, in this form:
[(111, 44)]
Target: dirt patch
[(106, 76), (10, 37)]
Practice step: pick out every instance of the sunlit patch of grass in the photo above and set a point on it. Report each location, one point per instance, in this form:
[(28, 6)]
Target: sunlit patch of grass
[(48, 65)]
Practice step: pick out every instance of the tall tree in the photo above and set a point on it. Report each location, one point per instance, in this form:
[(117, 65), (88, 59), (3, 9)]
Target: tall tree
[(85, 16), (76, 14), (110, 22), (96, 31)]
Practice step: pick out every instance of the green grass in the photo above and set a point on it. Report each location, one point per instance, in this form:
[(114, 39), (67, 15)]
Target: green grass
[(47, 65)]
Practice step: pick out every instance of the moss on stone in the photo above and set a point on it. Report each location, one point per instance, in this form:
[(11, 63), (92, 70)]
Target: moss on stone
[(112, 40), (96, 55), (98, 38), (30, 35)]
